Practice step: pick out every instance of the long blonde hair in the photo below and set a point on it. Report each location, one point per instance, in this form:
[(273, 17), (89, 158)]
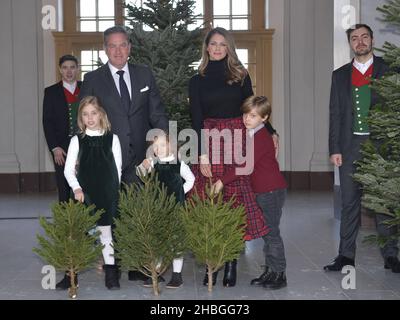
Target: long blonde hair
[(236, 72), (105, 125)]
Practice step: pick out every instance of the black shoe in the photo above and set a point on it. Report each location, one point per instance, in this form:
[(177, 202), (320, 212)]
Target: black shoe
[(148, 283), (176, 281), (136, 276), (214, 278), (261, 279), (230, 274), (338, 263), (392, 263), (112, 276), (276, 281), (65, 283)]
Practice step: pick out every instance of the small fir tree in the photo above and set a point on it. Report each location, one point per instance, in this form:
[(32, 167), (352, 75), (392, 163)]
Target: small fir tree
[(149, 232), (379, 169), (68, 245), (170, 49), (215, 230)]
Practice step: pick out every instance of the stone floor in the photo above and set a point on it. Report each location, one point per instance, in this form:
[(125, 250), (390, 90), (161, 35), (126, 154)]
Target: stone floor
[(309, 230)]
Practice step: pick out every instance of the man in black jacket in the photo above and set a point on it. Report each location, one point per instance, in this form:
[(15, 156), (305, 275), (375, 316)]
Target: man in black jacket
[(350, 102), (60, 106)]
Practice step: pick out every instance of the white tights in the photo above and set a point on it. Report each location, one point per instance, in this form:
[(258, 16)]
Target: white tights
[(106, 240)]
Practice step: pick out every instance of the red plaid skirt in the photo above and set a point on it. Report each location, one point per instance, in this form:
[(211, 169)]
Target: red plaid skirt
[(241, 187)]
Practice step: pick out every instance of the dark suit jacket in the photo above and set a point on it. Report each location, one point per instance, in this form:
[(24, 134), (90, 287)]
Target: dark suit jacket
[(146, 111), (341, 106), (55, 116)]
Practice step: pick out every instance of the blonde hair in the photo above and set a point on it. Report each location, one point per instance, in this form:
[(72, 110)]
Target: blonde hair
[(236, 72), (260, 103), (105, 125)]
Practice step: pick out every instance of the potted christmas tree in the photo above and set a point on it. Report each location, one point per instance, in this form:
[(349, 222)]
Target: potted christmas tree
[(149, 232), (215, 230), (379, 170), (68, 245)]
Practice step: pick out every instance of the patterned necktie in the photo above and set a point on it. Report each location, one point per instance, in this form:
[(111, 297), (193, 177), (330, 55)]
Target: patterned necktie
[(124, 92)]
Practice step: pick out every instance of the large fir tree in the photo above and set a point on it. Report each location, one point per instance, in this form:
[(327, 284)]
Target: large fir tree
[(379, 170), (170, 49)]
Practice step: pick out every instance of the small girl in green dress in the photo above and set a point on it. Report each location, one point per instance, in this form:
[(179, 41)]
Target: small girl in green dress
[(93, 171), (178, 180)]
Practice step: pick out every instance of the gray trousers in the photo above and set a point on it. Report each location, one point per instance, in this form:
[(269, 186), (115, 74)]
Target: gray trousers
[(351, 206), (271, 203)]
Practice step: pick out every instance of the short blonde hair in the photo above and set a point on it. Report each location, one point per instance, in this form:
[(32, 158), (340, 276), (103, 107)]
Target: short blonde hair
[(259, 103), (94, 101)]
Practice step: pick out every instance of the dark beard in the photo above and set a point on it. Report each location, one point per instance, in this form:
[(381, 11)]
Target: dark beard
[(364, 52)]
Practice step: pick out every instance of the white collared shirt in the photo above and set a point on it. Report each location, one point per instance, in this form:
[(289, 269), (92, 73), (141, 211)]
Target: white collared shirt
[(185, 172), (363, 67), (127, 77), (252, 132), (70, 87), (72, 157)]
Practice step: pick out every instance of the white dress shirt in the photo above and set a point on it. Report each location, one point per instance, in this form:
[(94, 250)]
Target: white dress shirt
[(363, 67), (185, 172), (72, 157), (70, 87), (252, 132), (127, 77)]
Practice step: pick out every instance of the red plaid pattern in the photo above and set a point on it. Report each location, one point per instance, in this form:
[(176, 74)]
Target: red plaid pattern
[(241, 188)]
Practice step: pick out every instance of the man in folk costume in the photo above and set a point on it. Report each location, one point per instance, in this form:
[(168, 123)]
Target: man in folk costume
[(60, 107), (350, 103)]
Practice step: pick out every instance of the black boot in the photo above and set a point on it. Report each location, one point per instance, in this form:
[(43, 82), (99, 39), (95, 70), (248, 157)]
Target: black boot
[(277, 280), (112, 276), (392, 263), (176, 281), (136, 276), (261, 279), (65, 283), (148, 283), (214, 278), (230, 274)]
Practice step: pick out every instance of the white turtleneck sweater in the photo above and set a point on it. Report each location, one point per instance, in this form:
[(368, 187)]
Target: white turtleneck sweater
[(72, 157)]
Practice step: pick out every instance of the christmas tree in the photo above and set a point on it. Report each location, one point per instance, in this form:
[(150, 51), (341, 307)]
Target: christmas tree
[(68, 245), (149, 232), (215, 230), (170, 49), (379, 170)]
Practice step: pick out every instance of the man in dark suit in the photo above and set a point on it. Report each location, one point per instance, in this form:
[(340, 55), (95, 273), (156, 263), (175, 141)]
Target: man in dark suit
[(60, 105), (132, 101), (130, 97), (350, 102)]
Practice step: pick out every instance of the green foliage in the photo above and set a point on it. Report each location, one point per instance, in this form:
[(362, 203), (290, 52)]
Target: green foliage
[(149, 232), (68, 246), (215, 230), (379, 169), (170, 50)]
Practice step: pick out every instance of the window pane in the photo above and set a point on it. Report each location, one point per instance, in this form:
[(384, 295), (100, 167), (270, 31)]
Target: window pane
[(88, 26), (87, 8), (106, 8), (195, 25), (198, 7), (105, 24), (223, 23), (86, 57), (103, 57), (221, 7), (240, 24), (240, 7), (243, 55)]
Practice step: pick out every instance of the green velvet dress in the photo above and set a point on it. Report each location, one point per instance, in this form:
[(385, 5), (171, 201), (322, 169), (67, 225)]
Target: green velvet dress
[(98, 176), (170, 175)]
